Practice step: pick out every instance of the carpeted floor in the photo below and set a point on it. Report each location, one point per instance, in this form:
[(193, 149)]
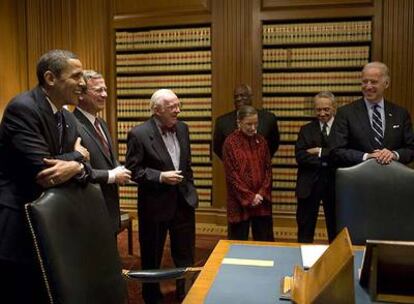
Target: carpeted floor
[(204, 246)]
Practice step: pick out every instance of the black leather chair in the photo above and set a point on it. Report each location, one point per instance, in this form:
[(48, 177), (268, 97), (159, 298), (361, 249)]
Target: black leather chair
[(77, 249), (375, 201)]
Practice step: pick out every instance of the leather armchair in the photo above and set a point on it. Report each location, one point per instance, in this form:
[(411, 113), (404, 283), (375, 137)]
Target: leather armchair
[(77, 249), (375, 201)]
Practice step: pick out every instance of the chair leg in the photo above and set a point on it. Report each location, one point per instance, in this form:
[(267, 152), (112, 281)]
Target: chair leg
[(130, 238)]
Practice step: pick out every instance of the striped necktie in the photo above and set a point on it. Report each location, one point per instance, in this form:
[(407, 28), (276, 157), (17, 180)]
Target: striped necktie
[(377, 126), (102, 138)]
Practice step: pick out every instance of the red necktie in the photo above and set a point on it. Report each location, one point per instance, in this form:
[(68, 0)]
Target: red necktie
[(101, 138)]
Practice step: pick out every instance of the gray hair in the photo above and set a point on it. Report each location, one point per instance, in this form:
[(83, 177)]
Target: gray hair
[(245, 111), (55, 61), (91, 74), (157, 98), (378, 65), (326, 94)]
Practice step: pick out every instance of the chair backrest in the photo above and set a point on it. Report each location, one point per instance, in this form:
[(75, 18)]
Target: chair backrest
[(375, 201), (76, 246)]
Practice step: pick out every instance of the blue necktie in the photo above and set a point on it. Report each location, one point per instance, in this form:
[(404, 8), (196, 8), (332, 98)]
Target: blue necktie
[(377, 126)]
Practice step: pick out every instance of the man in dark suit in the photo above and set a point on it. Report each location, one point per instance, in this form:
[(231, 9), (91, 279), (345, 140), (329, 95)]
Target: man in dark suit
[(315, 180), (227, 123), (39, 148), (96, 138), (372, 127), (159, 157)]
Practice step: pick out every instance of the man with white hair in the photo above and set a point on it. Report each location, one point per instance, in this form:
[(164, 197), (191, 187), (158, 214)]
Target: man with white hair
[(159, 158), (372, 127)]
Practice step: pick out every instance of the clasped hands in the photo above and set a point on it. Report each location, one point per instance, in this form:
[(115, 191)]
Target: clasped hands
[(383, 156), (171, 177), (258, 199), (60, 171)]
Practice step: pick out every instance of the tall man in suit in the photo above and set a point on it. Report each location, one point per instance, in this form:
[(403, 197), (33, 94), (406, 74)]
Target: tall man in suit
[(372, 127), (39, 148), (315, 180), (96, 138), (159, 157), (227, 123)]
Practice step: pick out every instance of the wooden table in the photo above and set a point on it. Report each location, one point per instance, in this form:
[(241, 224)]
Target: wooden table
[(198, 291)]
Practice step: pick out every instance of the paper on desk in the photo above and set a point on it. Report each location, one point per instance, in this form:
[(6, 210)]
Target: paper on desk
[(248, 262), (311, 253)]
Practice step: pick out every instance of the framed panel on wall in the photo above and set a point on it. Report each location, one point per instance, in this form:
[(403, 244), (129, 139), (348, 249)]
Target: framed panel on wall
[(299, 60), (177, 58)]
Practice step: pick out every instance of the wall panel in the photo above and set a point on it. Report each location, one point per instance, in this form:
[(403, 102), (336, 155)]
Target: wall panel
[(398, 50), (13, 76)]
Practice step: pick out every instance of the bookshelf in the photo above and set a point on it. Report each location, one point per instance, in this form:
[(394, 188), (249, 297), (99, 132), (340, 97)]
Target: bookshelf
[(299, 60), (178, 58)]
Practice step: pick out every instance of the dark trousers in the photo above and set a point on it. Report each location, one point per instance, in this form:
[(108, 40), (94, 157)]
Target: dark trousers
[(262, 229), (21, 283), (307, 210), (152, 235)]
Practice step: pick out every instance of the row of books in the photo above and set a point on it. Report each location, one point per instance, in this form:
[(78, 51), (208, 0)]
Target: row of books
[(284, 184), (283, 196), (163, 58), (284, 174), (188, 67), (198, 129), (171, 81), (163, 39), (146, 113), (317, 32), (344, 56)]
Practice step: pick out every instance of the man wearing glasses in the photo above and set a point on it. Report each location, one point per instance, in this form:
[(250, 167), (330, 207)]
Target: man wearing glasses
[(95, 136), (227, 123)]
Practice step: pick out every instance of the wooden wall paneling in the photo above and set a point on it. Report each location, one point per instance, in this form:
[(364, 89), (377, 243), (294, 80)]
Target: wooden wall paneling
[(48, 27), (91, 38), (398, 50), (128, 7), (233, 63), (13, 72)]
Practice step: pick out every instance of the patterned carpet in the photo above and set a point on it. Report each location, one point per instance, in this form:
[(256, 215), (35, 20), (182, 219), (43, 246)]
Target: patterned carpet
[(204, 246)]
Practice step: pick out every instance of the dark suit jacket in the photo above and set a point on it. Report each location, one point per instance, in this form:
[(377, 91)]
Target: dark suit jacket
[(227, 123), (354, 135), (28, 134), (310, 166), (101, 163), (146, 157)]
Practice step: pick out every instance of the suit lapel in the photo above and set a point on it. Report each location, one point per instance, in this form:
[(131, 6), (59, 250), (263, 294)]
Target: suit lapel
[(158, 144), (182, 140), (361, 113), (49, 120), (90, 131), (108, 137), (389, 122)]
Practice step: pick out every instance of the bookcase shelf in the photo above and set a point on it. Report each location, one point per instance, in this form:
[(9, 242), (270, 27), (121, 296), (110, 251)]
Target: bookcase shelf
[(173, 57), (299, 60)]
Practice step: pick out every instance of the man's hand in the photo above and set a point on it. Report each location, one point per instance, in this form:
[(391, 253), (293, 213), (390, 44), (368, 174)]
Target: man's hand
[(258, 199), (171, 177), (383, 157), (59, 172), (81, 149), (122, 175), (314, 150)]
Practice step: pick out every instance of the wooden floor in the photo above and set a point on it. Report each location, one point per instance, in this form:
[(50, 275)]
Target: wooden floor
[(204, 246)]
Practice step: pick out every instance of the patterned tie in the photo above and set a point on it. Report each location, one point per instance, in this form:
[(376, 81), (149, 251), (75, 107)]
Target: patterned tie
[(59, 123), (324, 135), (377, 126), (101, 138)]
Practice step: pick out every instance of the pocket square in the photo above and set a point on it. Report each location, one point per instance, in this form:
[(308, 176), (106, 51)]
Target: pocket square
[(395, 126)]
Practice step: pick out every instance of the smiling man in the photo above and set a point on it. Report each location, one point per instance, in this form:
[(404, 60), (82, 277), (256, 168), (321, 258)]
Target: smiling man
[(39, 148), (159, 158), (372, 127), (315, 181)]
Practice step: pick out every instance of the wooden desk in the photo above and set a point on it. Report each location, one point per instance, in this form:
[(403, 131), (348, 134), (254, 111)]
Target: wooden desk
[(198, 291)]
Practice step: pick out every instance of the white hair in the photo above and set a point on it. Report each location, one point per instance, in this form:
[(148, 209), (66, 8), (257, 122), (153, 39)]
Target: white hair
[(378, 65), (159, 96)]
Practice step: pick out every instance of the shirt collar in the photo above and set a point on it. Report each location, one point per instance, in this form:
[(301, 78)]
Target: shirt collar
[(88, 115), (329, 123), (370, 104)]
